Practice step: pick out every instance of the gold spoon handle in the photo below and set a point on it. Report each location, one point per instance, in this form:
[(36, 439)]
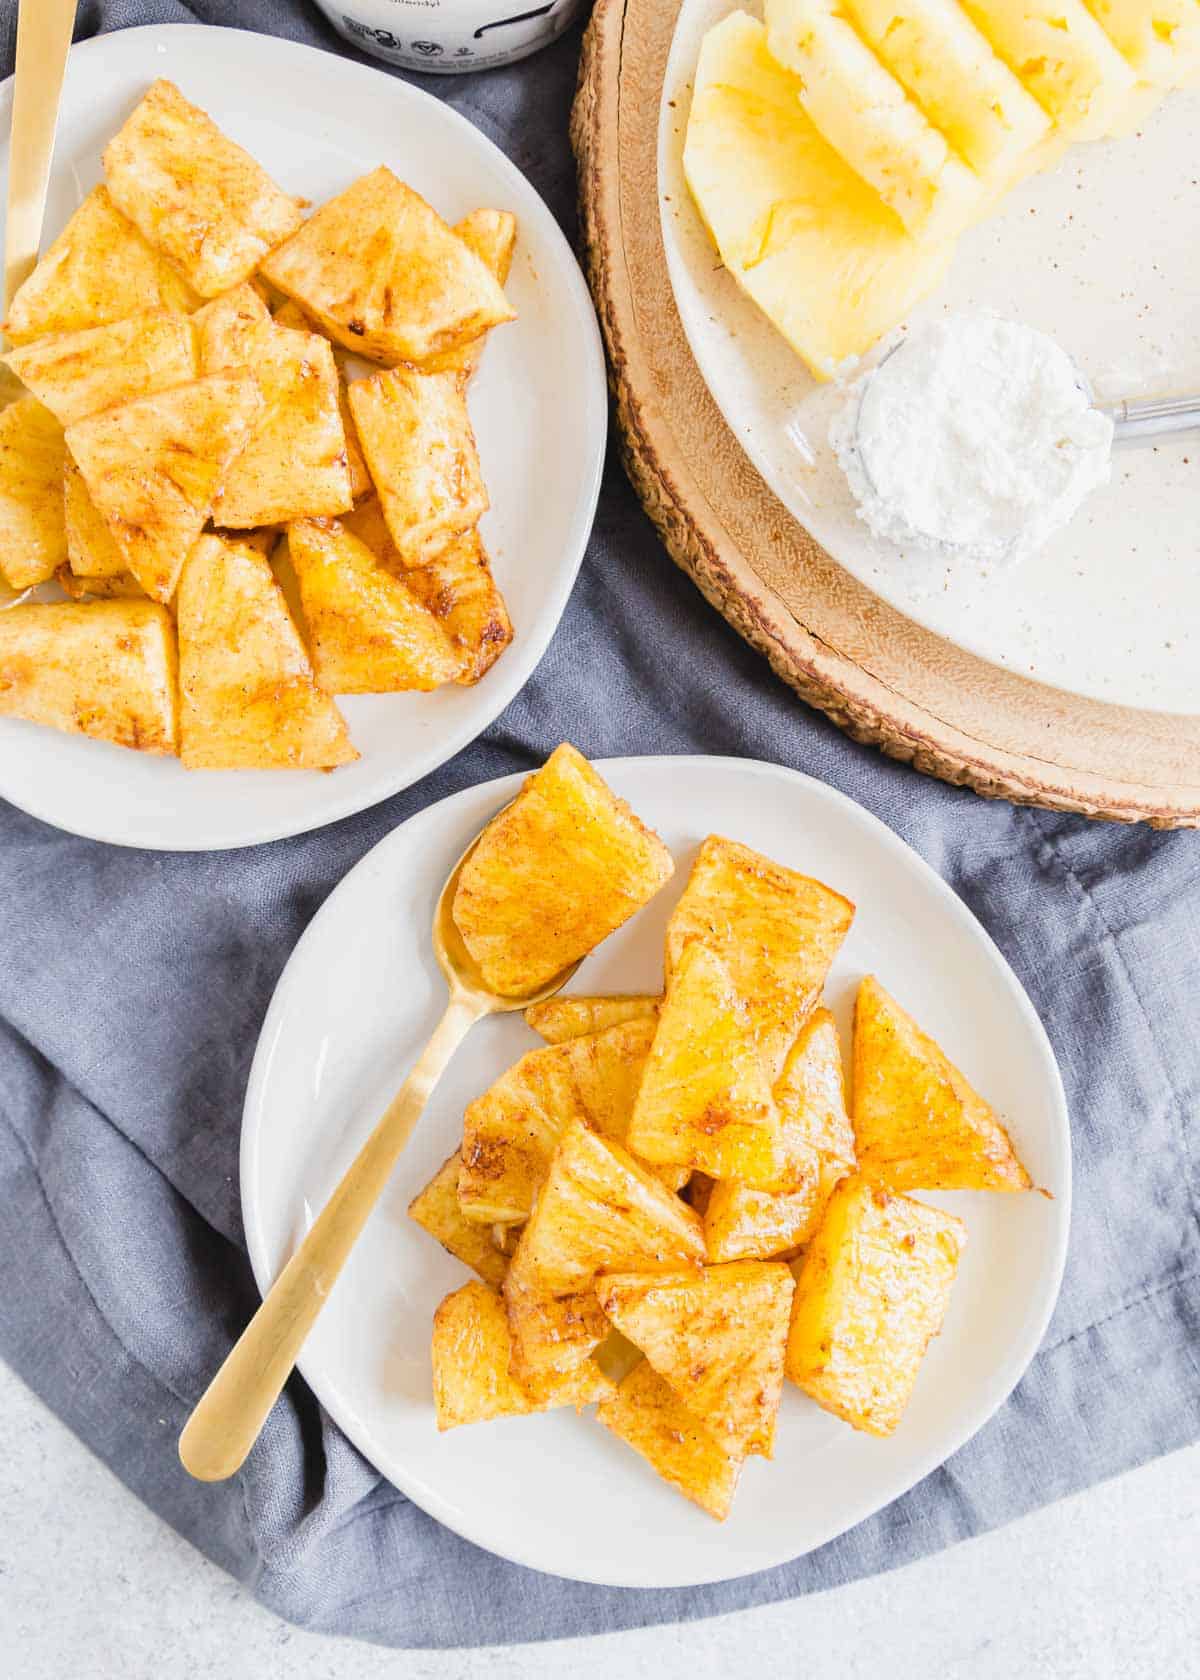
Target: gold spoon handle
[(231, 1412), (43, 40)]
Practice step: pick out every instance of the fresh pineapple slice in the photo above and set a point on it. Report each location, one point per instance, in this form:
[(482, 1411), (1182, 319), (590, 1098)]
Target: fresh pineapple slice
[(717, 1337), (967, 92), (870, 1296), (105, 669), (492, 235), (229, 329), (290, 314), (1063, 57), (99, 269), (919, 1125), (80, 373), (551, 1334), (195, 195), (776, 931), (367, 633), (117, 586), (383, 275), (559, 1018), (649, 1416), (459, 590), (704, 1100), (869, 120), (472, 1350), (153, 468), (1160, 39), (33, 537), (248, 698), (599, 1209), (415, 432), (556, 872), (436, 1210)]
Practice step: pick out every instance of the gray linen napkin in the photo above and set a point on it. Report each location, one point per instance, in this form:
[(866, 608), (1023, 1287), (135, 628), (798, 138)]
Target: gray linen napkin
[(132, 987)]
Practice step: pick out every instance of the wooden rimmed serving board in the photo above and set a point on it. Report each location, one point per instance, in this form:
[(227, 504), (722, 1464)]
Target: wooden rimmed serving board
[(879, 676)]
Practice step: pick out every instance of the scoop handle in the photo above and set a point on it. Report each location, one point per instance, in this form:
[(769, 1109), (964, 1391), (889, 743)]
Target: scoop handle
[(1151, 416), (43, 41)]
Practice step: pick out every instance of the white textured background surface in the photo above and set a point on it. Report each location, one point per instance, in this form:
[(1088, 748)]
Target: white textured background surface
[(93, 1587)]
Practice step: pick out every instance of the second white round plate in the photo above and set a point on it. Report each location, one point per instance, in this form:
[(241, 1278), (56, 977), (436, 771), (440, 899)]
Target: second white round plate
[(557, 1492)]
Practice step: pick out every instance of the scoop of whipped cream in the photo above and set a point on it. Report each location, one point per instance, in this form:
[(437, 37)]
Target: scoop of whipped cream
[(973, 438)]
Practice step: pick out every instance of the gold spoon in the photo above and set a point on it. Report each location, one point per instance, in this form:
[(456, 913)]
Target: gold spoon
[(230, 1414)]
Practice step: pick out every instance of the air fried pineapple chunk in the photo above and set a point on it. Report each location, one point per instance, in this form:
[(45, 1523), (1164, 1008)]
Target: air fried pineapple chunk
[(106, 670), (472, 1350), (193, 193), (80, 373), (436, 1210), (91, 551), (248, 698), (555, 873), (415, 432), (600, 1209), (559, 1018), (459, 590), (228, 329), (153, 468), (33, 537), (99, 269), (704, 1100), (649, 1416), (290, 314), (919, 1125), (383, 274), (551, 1334), (871, 1294), (492, 235), (117, 586), (777, 932), (717, 1337)]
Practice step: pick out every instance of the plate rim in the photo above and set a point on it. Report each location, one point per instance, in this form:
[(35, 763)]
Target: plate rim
[(1019, 1362), (511, 675)]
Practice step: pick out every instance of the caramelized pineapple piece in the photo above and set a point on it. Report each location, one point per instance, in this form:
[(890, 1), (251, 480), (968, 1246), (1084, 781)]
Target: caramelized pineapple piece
[(492, 235), (290, 314), (33, 537), (551, 1334), (776, 931), (105, 669), (459, 590), (153, 468), (80, 373), (383, 275), (436, 1210), (117, 586), (918, 1123), (649, 1416), (91, 551), (560, 1018), (229, 329), (704, 1100), (599, 1209), (555, 873), (99, 269), (248, 698), (195, 195), (870, 1296), (366, 522), (471, 1378)]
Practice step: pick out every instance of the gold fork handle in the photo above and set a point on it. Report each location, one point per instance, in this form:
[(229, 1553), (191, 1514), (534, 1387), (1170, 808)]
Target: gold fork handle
[(43, 41), (230, 1414)]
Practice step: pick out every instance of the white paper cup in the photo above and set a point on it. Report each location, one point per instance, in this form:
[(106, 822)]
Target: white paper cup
[(446, 36)]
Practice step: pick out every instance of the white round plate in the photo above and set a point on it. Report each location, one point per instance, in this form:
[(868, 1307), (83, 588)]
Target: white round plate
[(1099, 253), (556, 1492), (538, 404)]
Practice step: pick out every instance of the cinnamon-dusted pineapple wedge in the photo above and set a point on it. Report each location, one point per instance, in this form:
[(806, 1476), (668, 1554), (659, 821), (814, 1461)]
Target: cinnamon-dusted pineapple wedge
[(492, 235), (33, 537), (436, 1210), (99, 269), (80, 373), (458, 588), (559, 1018), (105, 669), (415, 433), (472, 1381), (116, 586), (380, 271), (551, 1334), (91, 551), (248, 697), (599, 1209), (193, 193), (290, 314), (229, 328), (704, 1101), (367, 633), (776, 931), (717, 1336), (818, 1147), (649, 1416), (918, 1123), (153, 468), (871, 1294)]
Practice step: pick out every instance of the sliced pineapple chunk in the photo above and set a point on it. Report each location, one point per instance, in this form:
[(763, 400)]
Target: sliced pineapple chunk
[(492, 235), (551, 1334), (560, 1018), (367, 633), (80, 373), (99, 269), (117, 586), (33, 536), (383, 275), (248, 698), (290, 314), (1159, 38), (153, 468), (91, 551), (649, 1416), (193, 193), (919, 1125), (1063, 57), (228, 329), (556, 872), (870, 1296), (436, 1210), (458, 588)]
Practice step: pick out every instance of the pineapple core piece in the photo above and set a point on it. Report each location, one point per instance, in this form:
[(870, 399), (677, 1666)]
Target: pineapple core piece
[(1063, 57)]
